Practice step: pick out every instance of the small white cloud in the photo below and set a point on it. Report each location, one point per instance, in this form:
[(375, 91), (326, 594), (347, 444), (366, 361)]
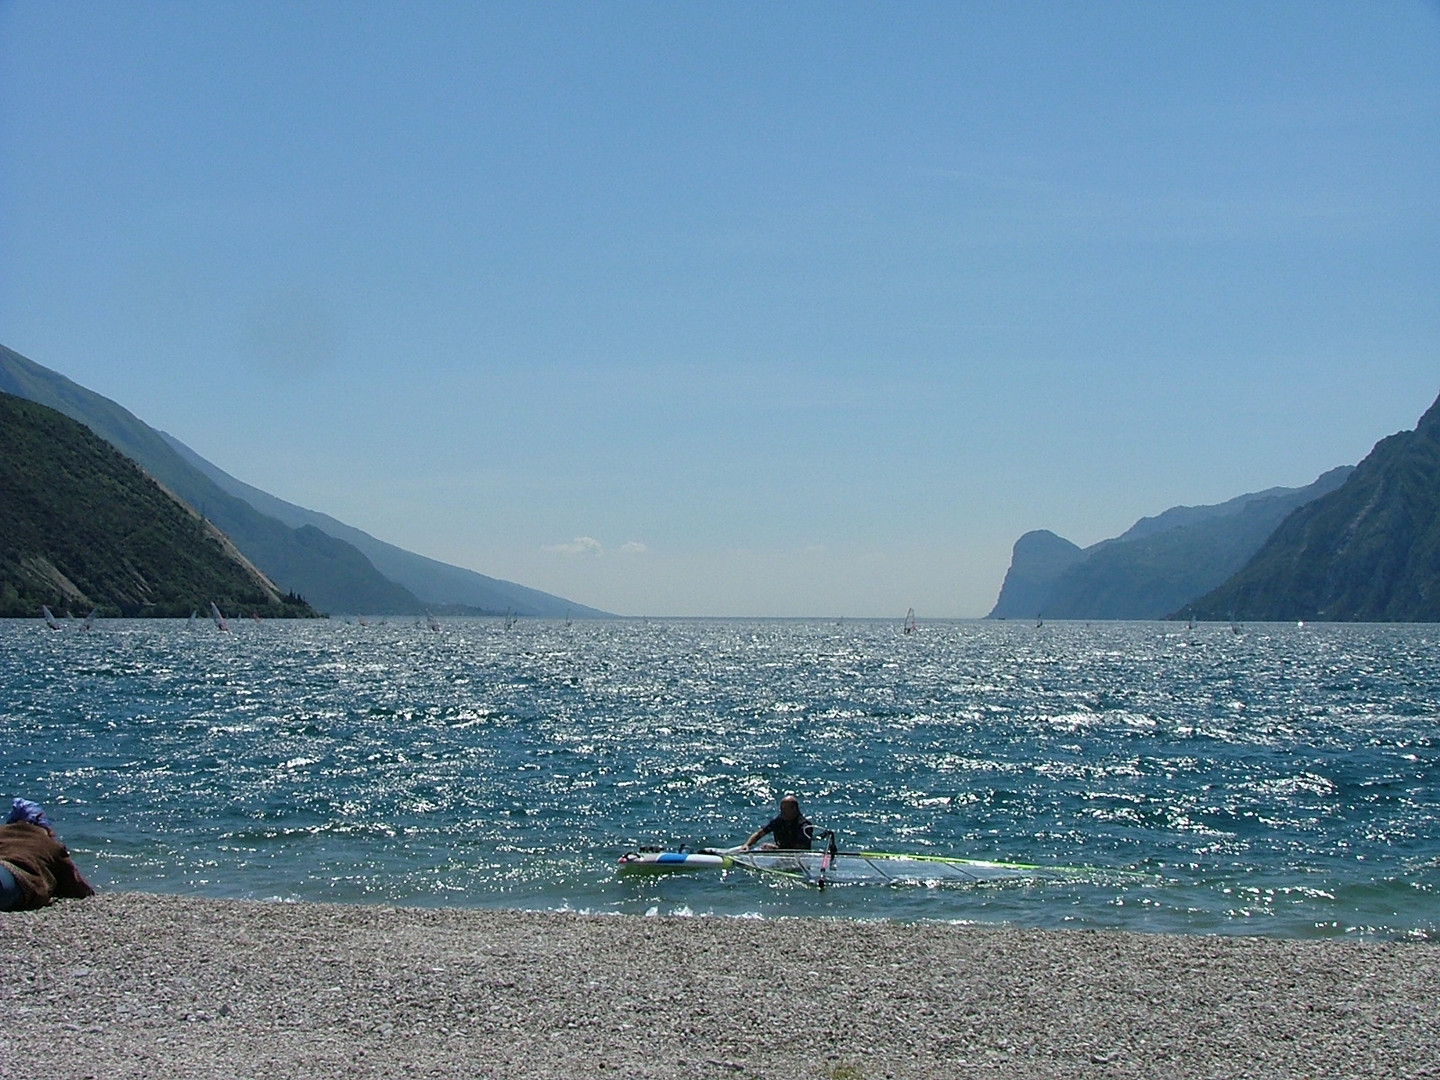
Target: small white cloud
[(633, 547), (581, 545)]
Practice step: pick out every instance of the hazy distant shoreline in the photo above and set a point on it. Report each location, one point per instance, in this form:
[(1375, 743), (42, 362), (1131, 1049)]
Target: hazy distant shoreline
[(128, 984)]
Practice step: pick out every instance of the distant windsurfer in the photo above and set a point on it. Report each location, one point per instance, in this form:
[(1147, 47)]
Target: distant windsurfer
[(791, 829)]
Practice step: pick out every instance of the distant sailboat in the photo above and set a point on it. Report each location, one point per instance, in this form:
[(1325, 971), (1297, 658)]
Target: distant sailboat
[(218, 619), (89, 623), (910, 624), (50, 620)]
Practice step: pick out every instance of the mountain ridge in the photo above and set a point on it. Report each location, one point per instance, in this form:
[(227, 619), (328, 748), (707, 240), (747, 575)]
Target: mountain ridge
[(334, 574), (84, 527), (1368, 551), (1157, 565), (324, 572), (440, 585)]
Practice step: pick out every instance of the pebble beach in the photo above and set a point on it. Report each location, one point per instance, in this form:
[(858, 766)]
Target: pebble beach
[(137, 985)]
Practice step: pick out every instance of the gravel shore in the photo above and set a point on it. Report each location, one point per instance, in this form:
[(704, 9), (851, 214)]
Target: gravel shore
[(131, 985)]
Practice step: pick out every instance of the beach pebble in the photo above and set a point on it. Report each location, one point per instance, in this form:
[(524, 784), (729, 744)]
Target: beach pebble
[(172, 987)]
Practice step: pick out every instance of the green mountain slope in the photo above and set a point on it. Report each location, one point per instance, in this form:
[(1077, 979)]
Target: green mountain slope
[(1369, 551), (82, 527), (1155, 567), (334, 566), (332, 575)]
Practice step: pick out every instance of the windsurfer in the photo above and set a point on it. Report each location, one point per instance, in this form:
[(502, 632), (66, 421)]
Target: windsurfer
[(791, 829)]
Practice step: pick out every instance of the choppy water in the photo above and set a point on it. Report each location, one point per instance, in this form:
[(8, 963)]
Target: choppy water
[(1279, 781)]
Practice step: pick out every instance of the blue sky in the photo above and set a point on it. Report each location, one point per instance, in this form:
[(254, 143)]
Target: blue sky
[(734, 309)]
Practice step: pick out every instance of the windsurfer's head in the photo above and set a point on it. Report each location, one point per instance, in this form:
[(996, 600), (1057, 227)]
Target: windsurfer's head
[(789, 807)]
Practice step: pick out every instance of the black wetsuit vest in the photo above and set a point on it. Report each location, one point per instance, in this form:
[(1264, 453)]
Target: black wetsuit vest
[(794, 834)]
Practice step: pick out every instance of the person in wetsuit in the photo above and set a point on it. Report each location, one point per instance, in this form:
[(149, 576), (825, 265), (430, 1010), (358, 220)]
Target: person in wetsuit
[(791, 829)]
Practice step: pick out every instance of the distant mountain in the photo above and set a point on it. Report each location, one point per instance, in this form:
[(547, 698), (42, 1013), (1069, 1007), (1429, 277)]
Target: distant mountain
[(439, 585), (331, 575), (303, 555), (1369, 551), (1156, 567), (1036, 563), (82, 528)]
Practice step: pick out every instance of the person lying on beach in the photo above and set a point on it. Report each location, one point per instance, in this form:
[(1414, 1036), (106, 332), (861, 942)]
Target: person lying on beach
[(35, 868), (792, 829)]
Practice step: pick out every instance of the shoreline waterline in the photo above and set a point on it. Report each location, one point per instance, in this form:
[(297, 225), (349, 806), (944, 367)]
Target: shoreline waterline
[(134, 984)]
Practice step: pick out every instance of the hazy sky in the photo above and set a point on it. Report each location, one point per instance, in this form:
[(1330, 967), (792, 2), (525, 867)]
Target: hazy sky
[(734, 308)]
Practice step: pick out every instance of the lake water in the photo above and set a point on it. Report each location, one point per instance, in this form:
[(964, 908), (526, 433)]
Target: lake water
[(1281, 780)]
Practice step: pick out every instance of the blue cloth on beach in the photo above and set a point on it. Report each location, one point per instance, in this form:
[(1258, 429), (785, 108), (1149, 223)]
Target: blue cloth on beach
[(10, 895), (25, 810)]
